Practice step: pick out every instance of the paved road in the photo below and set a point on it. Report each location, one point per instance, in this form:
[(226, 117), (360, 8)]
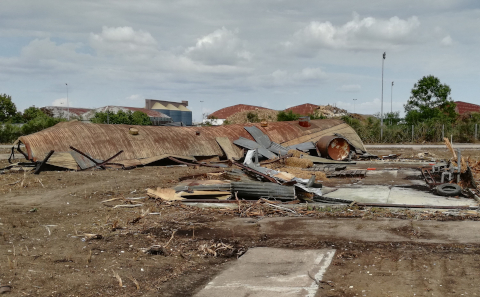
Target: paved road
[(422, 146)]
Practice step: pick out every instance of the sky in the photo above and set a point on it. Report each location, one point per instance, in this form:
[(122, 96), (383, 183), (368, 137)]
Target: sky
[(214, 54)]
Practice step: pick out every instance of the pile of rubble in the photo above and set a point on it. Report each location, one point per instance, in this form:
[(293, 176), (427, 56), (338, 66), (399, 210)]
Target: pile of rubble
[(330, 111)]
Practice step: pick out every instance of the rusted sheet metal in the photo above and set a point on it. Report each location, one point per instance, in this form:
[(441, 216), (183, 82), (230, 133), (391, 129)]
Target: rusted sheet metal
[(102, 141), (334, 147)]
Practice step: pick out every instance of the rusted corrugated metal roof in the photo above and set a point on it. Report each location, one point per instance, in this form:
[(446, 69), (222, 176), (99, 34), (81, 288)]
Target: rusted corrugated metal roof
[(303, 109), (228, 111), (463, 107), (102, 141)]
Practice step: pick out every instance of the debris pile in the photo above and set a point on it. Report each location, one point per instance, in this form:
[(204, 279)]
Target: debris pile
[(331, 111)]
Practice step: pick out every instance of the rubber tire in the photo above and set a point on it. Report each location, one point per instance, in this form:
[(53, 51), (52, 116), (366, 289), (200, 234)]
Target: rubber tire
[(449, 190)]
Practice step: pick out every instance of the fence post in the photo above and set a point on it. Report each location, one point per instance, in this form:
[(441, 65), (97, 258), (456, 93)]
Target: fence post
[(443, 131), (476, 127), (451, 138), (412, 133)]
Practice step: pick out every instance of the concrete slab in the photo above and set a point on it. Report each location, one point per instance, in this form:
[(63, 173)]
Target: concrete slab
[(271, 272), (411, 196), (364, 194), (396, 195)]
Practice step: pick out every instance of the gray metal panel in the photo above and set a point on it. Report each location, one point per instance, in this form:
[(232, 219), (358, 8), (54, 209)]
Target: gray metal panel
[(187, 117), (259, 136), (304, 147), (82, 161), (164, 111), (176, 115), (256, 190), (278, 149), (217, 187), (251, 145)]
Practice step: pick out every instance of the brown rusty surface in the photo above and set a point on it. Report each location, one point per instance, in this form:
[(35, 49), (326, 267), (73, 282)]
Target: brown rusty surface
[(334, 147), (101, 141)]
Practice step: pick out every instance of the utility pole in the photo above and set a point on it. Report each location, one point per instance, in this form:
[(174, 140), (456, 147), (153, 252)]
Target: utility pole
[(201, 107), (354, 105), (68, 105), (381, 113)]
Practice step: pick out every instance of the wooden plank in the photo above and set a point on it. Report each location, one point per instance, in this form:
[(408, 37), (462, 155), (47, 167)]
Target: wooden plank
[(228, 148)]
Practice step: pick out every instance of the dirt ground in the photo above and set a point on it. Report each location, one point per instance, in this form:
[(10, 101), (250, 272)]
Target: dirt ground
[(44, 251)]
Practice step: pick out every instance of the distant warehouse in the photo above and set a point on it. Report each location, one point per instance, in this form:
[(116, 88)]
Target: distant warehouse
[(177, 111)]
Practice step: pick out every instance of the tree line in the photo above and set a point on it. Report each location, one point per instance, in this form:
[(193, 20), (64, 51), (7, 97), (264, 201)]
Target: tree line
[(14, 123)]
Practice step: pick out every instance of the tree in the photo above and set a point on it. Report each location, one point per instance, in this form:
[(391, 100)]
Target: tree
[(31, 113), (121, 117), (8, 110), (429, 101), (287, 116)]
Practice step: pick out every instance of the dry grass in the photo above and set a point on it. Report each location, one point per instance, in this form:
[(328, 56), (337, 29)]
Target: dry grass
[(297, 162), (296, 153), (319, 175)]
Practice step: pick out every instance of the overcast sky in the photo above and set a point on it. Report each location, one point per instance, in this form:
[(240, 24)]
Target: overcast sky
[(270, 53)]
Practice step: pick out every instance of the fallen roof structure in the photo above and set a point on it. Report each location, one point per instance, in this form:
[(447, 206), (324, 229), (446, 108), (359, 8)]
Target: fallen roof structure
[(101, 142)]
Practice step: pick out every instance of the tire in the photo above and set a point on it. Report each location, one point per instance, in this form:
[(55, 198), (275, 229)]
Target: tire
[(449, 190)]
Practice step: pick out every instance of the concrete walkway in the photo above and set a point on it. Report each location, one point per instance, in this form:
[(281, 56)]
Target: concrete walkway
[(272, 272)]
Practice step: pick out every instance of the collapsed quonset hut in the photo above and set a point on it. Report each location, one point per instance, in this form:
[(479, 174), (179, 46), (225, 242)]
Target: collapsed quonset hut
[(149, 144)]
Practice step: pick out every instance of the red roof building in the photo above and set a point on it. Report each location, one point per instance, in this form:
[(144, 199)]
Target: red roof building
[(228, 111), (303, 109), (463, 107)]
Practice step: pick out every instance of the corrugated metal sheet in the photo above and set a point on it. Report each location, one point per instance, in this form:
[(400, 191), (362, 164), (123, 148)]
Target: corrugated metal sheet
[(103, 141), (256, 190), (278, 149), (252, 145), (216, 187), (259, 136), (304, 147), (228, 111)]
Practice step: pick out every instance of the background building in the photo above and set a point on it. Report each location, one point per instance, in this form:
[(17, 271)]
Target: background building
[(177, 111), (463, 107)]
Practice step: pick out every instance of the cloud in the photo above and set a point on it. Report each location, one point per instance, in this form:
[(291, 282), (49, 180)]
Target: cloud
[(350, 88), (135, 97), (60, 102), (358, 34), (310, 74), (447, 40), (221, 47), (123, 41)]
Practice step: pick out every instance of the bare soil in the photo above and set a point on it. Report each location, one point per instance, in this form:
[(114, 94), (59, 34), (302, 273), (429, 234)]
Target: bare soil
[(44, 252)]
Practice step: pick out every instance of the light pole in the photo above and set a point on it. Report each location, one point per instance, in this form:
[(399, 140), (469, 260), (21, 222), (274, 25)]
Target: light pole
[(391, 100), (381, 113), (68, 105), (354, 105), (391, 103), (201, 110)]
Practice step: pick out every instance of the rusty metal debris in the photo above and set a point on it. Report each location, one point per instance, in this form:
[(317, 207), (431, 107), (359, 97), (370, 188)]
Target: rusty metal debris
[(334, 147)]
